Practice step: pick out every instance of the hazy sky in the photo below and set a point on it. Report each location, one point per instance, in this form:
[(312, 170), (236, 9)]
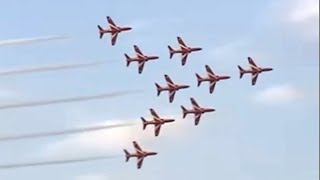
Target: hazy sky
[(267, 131)]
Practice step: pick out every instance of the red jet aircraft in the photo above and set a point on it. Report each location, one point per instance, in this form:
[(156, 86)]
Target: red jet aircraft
[(254, 71), (212, 78), (197, 111), (172, 88), (184, 50), (113, 29), (140, 154), (157, 121), (140, 58)]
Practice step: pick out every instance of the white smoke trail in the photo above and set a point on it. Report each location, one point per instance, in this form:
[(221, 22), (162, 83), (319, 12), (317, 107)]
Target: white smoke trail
[(56, 162), (68, 100), (63, 132), (30, 40), (53, 67)]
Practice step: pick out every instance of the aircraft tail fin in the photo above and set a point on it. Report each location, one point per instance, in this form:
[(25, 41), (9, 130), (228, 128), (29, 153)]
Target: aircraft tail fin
[(159, 89), (100, 31), (128, 59), (127, 155), (171, 51), (241, 70), (199, 79), (184, 111), (144, 123)]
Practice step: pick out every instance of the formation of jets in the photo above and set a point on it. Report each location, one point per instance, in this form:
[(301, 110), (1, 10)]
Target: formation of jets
[(172, 87)]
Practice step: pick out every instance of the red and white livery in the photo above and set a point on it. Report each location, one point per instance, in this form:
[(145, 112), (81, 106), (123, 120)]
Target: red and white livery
[(212, 78), (114, 30), (184, 50), (140, 154), (196, 110), (254, 70), (172, 88), (140, 58), (157, 121)]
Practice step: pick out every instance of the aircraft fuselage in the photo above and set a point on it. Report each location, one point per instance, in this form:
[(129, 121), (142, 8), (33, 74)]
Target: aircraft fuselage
[(144, 58), (201, 110), (163, 121), (215, 78), (174, 88), (257, 70), (145, 154), (194, 49), (189, 50), (118, 30)]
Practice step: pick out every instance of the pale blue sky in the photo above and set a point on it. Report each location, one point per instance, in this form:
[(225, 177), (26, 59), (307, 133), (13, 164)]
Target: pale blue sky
[(269, 131)]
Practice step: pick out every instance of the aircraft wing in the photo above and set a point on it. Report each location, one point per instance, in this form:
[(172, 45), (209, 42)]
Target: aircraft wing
[(114, 38), (140, 162), (138, 51), (254, 78), (141, 65), (171, 95), (157, 129), (169, 81), (212, 86), (251, 62), (184, 57), (194, 103), (181, 43), (153, 113), (209, 71), (197, 119), (137, 147), (111, 23)]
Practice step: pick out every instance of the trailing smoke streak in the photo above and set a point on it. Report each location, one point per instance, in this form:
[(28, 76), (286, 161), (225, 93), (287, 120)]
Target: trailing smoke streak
[(55, 67), (68, 100), (30, 40), (56, 162), (56, 133)]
